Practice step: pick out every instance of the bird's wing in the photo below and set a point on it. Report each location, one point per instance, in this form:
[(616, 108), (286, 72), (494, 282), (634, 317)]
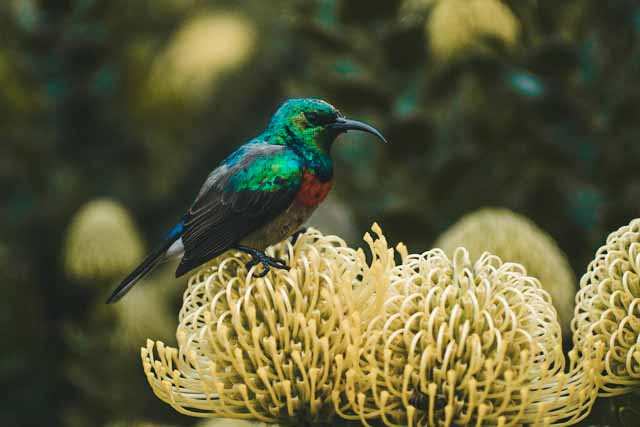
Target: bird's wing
[(247, 191)]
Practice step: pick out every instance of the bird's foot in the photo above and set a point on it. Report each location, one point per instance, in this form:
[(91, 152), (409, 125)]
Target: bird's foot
[(259, 257)]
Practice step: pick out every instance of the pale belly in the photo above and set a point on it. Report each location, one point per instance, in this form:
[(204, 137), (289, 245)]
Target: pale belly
[(280, 228)]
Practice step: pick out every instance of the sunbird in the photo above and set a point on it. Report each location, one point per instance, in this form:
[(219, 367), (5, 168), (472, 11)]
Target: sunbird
[(260, 195)]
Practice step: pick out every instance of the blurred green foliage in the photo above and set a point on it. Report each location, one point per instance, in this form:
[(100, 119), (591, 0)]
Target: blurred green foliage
[(541, 118)]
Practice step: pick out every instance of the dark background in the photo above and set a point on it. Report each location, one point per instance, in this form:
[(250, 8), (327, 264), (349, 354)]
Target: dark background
[(530, 105)]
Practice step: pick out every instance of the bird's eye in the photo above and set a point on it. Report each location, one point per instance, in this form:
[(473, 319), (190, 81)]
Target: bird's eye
[(312, 117)]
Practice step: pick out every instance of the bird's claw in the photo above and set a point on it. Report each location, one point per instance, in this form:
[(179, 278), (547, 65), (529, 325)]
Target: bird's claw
[(267, 262), (294, 237)]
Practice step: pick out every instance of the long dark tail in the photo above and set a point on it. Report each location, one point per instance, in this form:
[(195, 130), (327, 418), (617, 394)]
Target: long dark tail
[(151, 261)]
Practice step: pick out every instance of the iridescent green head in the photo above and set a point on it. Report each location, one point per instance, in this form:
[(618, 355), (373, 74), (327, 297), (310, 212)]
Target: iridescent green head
[(313, 122)]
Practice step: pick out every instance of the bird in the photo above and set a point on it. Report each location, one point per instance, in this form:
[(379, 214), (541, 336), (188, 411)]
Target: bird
[(261, 194)]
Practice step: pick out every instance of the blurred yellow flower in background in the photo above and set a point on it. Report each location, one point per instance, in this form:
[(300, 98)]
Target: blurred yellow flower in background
[(229, 422), (202, 49), (457, 26), (515, 238), (148, 310), (102, 242)]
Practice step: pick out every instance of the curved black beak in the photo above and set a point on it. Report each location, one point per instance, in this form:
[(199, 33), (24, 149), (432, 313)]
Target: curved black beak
[(344, 125)]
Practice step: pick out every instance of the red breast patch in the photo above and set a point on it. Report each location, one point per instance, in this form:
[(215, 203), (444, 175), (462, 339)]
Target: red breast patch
[(312, 191)]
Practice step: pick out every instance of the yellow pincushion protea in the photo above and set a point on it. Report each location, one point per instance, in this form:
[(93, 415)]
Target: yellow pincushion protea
[(204, 48), (462, 344), (432, 341), (229, 422), (271, 349), (515, 238), (102, 242), (455, 26), (607, 314), (147, 310)]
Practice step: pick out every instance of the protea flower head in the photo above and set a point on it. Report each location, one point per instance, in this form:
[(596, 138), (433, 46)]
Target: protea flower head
[(229, 422), (515, 238), (272, 349), (102, 242), (463, 344), (607, 314), (192, 64), (148, 310), (456, 26), (432, 341)]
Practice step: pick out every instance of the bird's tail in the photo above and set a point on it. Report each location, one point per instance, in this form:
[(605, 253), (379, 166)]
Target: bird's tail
[(157, 256)]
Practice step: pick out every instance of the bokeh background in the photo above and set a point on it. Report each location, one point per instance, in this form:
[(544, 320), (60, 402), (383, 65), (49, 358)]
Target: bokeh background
[(112, 113)]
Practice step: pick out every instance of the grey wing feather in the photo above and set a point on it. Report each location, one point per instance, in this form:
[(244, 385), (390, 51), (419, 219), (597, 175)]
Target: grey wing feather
[(220, 218)]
